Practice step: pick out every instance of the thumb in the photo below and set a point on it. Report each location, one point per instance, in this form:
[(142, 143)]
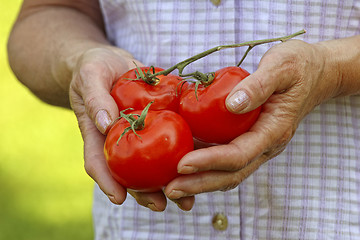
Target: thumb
[(99, 104), (93, 78), (91, 96), (104, 112), (252, 92)]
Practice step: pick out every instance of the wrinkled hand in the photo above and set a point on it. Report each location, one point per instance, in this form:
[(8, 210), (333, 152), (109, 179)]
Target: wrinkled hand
[(95, 109), (290, 81)]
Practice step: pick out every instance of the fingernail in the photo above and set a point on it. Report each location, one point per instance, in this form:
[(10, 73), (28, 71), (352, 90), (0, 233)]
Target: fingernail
[(176, 194), (112, 199), (152, 207), (102, 120), (179, 205), (187, 169), (238, 101)]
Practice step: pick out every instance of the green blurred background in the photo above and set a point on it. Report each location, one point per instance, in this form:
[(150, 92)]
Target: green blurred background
[(44, 191)]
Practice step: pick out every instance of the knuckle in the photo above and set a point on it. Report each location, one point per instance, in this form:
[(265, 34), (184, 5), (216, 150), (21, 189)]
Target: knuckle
[(202, 186), (280, 143), (76, 102), (89, 73), (237, 162), (204, 182), (83, 123), (92, 165), (257, 83), (92, 106), (290, 62), (80, 82), (89, 68), (242, 175), (90, 101), (75, 86), (90, 169), (285, 138), (231, 185)]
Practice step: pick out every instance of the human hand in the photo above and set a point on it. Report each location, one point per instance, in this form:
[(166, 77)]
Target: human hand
[(292, 78), (93, 77)]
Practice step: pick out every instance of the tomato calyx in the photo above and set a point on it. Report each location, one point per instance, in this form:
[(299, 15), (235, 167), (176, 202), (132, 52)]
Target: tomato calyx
[(204, 79), (147, 76), (136, 124), (198, 78)]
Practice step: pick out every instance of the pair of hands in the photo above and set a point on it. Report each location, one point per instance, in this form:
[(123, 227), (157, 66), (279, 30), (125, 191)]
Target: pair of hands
[(290, 82)]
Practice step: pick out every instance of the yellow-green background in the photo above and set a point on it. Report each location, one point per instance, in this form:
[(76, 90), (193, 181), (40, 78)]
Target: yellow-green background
[(45, 193)]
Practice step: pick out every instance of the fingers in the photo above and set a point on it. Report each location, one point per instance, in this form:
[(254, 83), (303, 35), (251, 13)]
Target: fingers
[(210, 181), (267, 136), (155, 201), (95, 163), (185, 203), (223, 167), (95, 110), (230, 157)]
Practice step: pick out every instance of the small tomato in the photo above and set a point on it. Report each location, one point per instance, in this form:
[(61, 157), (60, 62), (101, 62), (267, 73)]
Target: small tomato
[(133, 91), (207, 115), (147, 161)]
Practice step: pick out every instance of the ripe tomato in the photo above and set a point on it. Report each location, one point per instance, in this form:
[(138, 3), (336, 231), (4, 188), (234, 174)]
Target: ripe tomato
[(130, 93), (149, 162), (208, 117)]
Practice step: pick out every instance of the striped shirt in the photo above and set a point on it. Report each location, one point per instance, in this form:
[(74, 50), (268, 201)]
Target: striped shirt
[(312, 189)]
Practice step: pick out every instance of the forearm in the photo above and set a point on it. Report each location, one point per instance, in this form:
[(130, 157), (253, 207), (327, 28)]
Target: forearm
[(44, 46), (342, 61)]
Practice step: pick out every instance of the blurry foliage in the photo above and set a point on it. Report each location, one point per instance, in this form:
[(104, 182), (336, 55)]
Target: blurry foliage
[(44, 190)]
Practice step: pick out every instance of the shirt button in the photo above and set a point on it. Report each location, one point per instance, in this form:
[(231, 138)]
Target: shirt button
[(220, 222), (216, 2)]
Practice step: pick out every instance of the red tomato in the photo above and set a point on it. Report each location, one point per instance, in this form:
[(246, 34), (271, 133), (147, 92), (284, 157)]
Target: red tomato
[(136, 94), (148, 163), (208, 117)]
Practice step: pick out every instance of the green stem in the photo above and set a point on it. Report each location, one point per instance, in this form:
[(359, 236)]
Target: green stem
[(246, 53), (136, 124), (181, 65)]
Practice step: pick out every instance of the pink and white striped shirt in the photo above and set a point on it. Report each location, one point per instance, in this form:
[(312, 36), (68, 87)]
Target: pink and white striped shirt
[(312, 189)]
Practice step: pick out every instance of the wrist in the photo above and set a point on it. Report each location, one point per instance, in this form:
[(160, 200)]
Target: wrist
[(341, 64)]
